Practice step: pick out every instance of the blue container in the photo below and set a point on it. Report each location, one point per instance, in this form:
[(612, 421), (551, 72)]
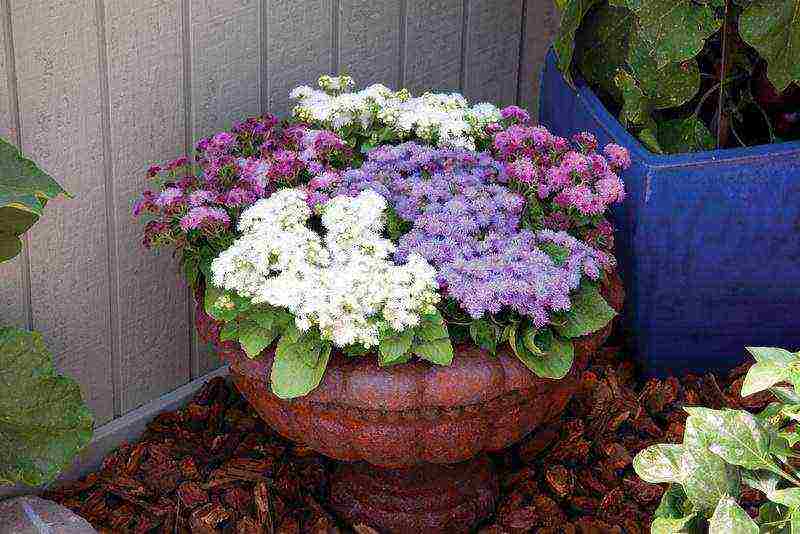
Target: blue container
[(708, 243)]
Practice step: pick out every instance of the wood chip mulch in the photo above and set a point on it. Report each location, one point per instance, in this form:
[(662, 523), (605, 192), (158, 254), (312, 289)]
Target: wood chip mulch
[(214, 466)]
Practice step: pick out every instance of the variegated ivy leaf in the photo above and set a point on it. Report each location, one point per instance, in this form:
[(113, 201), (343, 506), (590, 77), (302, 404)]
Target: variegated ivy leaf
[(706, 477), (788, 497), (761, 376), (786, 395), (773, 519), (672, 31), (763, 481), (730, 518), (773, 355), (681, 525), (736, 436), (572, 16), (660, 463), (773, 28), (673, 503)]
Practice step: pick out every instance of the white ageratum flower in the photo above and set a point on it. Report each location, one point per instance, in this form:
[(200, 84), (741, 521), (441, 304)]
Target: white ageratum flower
[(442, 119), (345, 284)]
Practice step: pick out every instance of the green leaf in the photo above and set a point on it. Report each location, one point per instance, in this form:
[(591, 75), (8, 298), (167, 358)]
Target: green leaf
[(736, 436), (679, 136), (730, 518), (761, 376), (764, 481), (601, 47), (24, 192), (666, 86), (43, 421), (707, 478), (266, 318), (672, 31), (223, 305), (291, 375), (229, 332), (532, 344), (787, 395), (683, 525), (673, 503), (788, 497), (571, 19), (254, 338), (772, 27), (636, 107), (394, 348), (774, 356), (588, 313), (438, 351), (555, 356), (431, 327), (659, 463), (484, 334), (772, 519)]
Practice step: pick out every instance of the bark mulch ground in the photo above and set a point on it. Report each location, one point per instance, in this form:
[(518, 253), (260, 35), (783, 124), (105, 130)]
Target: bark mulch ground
[(213, 466)]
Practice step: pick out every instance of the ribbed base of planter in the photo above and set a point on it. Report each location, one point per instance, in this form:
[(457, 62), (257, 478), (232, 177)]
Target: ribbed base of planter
[(435, 499)]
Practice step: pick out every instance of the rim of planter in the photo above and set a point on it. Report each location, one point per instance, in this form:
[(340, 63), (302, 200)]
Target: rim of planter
[(608, 122), (471, 379)]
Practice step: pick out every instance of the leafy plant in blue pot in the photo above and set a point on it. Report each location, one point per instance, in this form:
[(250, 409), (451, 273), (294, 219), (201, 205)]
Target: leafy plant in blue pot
[(43, 420), (704, 94)]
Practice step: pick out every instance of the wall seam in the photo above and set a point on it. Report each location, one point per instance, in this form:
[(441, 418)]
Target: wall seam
[(403, 37), (186, 49), (263, 64), (522, 46), (336, 38), (111, 223), (462, 73), (13, 89)]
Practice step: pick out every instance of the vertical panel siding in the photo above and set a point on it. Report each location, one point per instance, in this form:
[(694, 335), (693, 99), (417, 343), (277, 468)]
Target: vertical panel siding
[(369, 36), (433, 35), (147, 124), (13, 294), (299, 47), (541, 24), (56, 53), (492, 50), (225, 86)]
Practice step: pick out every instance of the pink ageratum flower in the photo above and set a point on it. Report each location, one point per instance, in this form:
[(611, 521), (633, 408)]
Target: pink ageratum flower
[(201, 197), (204, 218), (169, 197), (238, 197), (618, 156)]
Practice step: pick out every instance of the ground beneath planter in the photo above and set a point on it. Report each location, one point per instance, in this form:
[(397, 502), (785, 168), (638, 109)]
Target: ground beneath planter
[(213, 466)]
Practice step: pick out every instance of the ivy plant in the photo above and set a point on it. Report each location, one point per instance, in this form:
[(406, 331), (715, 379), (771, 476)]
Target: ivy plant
[(723, 449), (43, 420), (689, 75)]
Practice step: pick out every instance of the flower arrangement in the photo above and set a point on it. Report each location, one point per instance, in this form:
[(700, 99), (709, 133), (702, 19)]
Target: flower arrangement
[(375, 221), (723, 449)]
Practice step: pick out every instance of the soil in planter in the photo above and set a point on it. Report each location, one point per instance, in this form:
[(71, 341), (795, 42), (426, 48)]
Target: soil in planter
[(213, 466)]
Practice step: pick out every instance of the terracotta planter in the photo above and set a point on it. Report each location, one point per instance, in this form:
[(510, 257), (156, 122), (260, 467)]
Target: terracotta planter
[(413, 436)]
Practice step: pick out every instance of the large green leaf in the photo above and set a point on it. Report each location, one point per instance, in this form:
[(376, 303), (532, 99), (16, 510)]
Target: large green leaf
[(299, 364), (43, 421), (588, 313), (547, 355), (254, 338), (668, 85), (602, 46), (730, 518), (773, 28), (484, 334), (572, 16), (24, 191), (679, 136), (672, 31), (394, 348), (431, 340), (673, 515)]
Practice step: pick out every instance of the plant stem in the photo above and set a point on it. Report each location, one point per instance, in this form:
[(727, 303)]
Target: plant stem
[(723, 121)]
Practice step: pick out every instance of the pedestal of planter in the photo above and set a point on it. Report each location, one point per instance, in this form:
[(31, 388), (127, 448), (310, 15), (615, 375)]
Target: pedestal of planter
[(415, 434)]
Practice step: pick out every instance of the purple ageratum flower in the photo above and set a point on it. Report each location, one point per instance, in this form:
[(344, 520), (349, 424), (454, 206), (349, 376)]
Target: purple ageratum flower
[(515, 113), (169, 198), (205, 218), (237, 197), (466, 223)]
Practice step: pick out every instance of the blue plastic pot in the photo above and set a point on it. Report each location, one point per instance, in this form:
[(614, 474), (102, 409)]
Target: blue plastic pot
[(708, 243)]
